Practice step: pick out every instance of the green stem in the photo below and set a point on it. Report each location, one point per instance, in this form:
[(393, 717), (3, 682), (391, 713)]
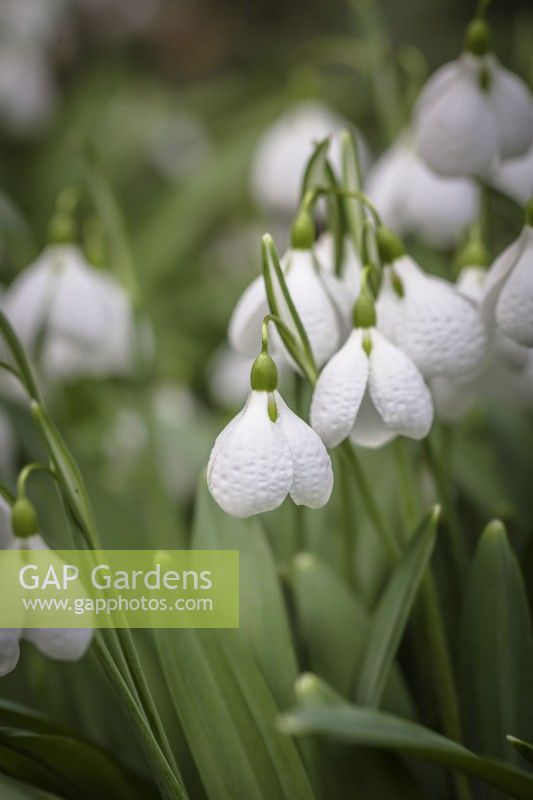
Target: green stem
[(171, 788), (389, 542), (347, 526)]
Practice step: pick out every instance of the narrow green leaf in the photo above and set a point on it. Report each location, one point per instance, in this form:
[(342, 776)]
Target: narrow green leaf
[(314, 173), (392, 613), (264, 624), (228, 716), (351, 180), (524, 748), (362, 726), (496, 649)]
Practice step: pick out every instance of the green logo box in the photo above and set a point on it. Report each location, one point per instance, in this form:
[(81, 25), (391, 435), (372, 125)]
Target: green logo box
[(119, 588)]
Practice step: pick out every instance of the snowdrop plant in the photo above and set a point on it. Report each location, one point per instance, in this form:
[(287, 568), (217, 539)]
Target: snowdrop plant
[(18, 531), (370, 390), (473, 113), (267, 452)]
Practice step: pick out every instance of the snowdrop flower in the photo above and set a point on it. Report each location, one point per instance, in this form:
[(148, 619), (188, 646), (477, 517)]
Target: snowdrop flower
[(473, 112), (266, 452), (27, 91), (59, 643), (370, 390), (75, 318), (426, 317), (515, 177), (350, 269), (508, 292), (321, 300), (412, 199), (283, 151)]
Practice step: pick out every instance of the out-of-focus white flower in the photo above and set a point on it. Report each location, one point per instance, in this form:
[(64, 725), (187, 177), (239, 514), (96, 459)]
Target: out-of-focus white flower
[(27, 89), (283, 151), (31, 22), (438, 327), (7, 446), (321, 300), (178, 144), (350, 269), (515, 177), (75, 319), (262, 455), (371, 391), (412, 199), (508, 293), (471, 114), (59, 643)]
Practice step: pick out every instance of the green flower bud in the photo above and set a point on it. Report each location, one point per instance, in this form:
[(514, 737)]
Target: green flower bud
[(477, 37), (23, 518), (303, 232), (390, 246), (264, 374), (364, 311), (529, 213)]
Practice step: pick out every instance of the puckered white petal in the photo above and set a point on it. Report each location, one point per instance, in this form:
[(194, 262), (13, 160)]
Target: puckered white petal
[(369, 429), (312, 479), (455, 128), (433, 323), (514, 306), (397, 390), (511, 99), (514, 177), (324, 321), (339, 392), (245, 324), (62, 644), (250, 469), (412, 199)]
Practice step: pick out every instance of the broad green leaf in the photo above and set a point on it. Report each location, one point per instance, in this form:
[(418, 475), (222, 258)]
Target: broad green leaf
[(368, 727), (496, 649), (264, 624), (15, 790), (68, 766), (229, 718), (333, 622), (392, 613)]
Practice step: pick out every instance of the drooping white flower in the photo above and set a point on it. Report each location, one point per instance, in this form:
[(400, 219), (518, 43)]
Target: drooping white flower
[(437, 326), (371, 391), (508, 293), (515, 177), (321, 300), (283, 151), (75, 319), (350, 268), (472, 114), (62, 644), (262, 455), (412, 199)]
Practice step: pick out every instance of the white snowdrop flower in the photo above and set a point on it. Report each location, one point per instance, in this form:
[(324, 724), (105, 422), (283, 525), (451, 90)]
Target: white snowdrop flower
[(426, 317), (414, 200), (321, 300), (473, 112), (27, 90), (76, 319), (283, 151), (61, 644), (515, 177), (266, 452), (371, 391), (350, 268), (508, 293)]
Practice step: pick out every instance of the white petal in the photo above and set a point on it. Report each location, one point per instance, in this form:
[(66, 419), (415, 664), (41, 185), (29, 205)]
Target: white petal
[(339, 391), (514, 307), (456, 130), (250, 469), (499, 272), (512, 101), (62, 644), (7, 539), (453, 400), (433, 323), (350, 270), (9, 649), (471, 283), (398, 390), (514, 177), (321, 317), (245, 324), (369, 429), (388, 185), (27, 301), (312, 480)]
